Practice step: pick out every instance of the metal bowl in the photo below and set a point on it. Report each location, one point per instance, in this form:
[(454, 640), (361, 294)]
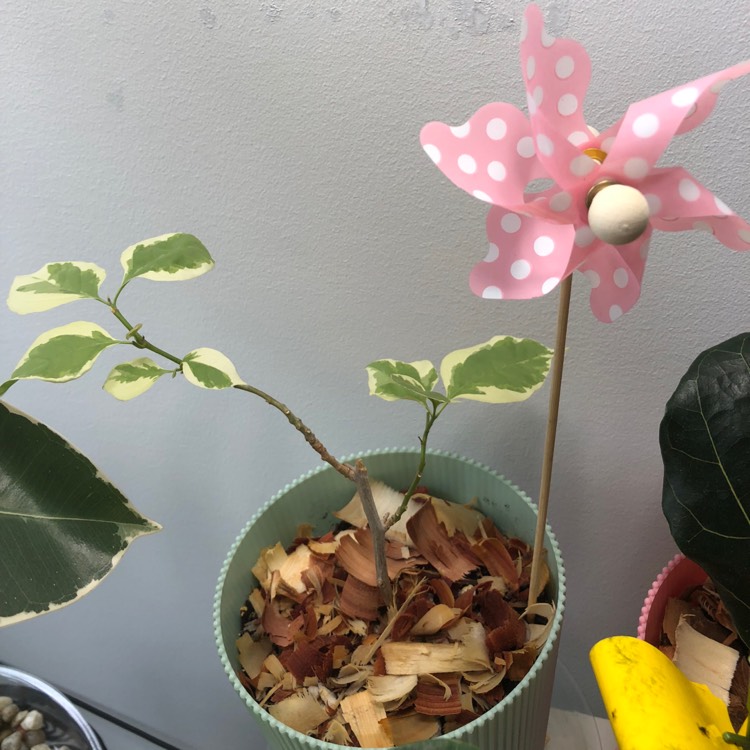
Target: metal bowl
[(63, 722)]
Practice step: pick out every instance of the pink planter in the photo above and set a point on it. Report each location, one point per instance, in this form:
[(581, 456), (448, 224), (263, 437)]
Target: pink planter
[(678, 575)]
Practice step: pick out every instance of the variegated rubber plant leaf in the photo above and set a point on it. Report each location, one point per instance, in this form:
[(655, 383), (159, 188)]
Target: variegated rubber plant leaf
[(63, 526), (705, 445)]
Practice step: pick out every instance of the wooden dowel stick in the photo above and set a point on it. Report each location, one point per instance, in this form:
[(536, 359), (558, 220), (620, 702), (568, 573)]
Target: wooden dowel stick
[(558, 361)]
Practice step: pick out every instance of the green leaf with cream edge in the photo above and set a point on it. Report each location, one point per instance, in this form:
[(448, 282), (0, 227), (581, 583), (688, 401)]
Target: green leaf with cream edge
[(131, 379), (500, 371), (60, 538), (53, 285), (169, 257), (393, 380), (63, 353), (210, 369)]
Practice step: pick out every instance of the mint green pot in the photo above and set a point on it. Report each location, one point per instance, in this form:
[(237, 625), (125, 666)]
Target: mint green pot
[(519, 722)]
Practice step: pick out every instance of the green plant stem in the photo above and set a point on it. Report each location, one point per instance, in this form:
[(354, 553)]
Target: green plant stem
[(430, 420), (139, 340)]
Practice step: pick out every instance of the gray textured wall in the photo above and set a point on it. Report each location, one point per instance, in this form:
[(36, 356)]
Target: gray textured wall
[(285, 135)]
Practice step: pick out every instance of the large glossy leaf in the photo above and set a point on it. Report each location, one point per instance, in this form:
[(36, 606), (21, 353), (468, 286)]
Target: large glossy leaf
[(63, 526), (169, 257), (55, 284), (502, 370), (63, 353), (393, 380), (705, 444)]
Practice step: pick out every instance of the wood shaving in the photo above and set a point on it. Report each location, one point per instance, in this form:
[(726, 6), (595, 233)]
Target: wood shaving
[(324, 655)]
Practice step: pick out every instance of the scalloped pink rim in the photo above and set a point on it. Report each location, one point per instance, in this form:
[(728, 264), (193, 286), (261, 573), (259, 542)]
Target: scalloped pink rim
[(655, 586)]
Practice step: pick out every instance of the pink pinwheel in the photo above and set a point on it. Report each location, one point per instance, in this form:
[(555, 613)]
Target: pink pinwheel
[(538, 238)]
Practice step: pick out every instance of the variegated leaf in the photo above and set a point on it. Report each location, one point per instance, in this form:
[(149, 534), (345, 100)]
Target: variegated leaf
[(169, 257), (63, 353), (393, 380), (131, 379), (208, 368), (6, 385), (502, 370), (55, 284), (63, 526)]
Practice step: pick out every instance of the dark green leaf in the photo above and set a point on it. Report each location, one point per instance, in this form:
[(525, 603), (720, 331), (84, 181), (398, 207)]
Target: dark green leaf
[(705, 444), (63, 527)]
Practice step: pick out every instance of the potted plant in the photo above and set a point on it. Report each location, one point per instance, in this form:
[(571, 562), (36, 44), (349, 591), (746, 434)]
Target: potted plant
[(504, 369), (705, 444)]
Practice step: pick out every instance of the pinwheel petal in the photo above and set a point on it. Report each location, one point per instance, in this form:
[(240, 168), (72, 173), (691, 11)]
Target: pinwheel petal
[(527, 256), (649, 125), (557, 74), (615, 274), (491, 156), (679, 203)]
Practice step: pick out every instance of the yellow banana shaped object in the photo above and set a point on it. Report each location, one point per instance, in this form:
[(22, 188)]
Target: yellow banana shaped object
[(651, 704)]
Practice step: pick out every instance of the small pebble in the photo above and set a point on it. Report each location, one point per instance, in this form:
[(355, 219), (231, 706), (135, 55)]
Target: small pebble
[(18, 718), (12, 742), (5, 701), (32, 720), (35, 737), (42, 746), (8, 713)]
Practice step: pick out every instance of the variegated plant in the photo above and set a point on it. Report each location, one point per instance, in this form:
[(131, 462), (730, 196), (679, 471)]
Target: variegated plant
[(502, 370)]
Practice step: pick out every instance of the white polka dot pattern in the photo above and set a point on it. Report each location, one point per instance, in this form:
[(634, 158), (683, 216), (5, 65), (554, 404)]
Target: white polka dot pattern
[(615, 275), (556, 91), (536, 238), (681, 203), (482, 155), (527, 256), (649, 125)]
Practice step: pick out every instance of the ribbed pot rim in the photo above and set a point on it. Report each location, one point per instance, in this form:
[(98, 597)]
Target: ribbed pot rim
[(495, 712)]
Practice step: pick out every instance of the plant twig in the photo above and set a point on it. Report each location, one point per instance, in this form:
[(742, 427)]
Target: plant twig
[(376, 529), (558, 361), (356, 474), (344, 469)]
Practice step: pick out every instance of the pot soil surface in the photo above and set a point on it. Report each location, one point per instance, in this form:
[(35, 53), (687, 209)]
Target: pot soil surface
[(322, 652)]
